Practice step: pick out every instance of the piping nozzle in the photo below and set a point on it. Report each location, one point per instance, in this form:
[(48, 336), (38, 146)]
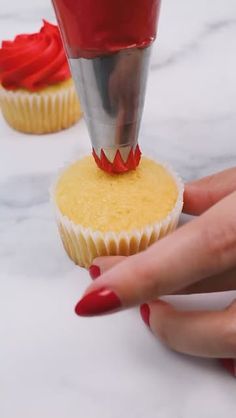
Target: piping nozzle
[(112, 93)]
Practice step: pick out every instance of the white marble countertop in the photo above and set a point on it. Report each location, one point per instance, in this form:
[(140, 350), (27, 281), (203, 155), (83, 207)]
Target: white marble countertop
[(52, 363)]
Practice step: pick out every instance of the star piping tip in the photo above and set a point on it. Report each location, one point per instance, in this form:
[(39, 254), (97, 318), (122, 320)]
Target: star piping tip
[(118, 165)]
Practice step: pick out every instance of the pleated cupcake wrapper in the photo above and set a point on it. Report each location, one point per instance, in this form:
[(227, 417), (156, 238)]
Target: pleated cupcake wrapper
[(40, 113), (84, 244)]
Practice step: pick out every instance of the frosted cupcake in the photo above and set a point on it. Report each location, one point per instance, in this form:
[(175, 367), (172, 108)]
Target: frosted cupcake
[(102, 214), (37, 94)]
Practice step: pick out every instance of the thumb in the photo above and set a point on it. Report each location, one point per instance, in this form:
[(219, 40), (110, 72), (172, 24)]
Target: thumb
[(200, 195)]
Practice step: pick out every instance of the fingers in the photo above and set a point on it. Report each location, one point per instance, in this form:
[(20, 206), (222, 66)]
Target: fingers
[(219, 283), (102, 264), (202, 194), (207, 334), (199, 249)]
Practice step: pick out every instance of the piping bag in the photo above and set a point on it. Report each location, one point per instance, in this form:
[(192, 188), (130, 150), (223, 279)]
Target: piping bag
[(108, 44)]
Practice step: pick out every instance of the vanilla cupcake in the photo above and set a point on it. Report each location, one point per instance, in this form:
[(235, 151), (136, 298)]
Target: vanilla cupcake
[(37, 94), (101, 214)]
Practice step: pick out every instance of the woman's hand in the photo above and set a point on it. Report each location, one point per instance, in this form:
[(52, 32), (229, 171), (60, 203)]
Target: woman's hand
[(199, 257)]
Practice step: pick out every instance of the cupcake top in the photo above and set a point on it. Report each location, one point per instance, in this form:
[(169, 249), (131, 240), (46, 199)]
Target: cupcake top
[(123, 202), (34, 61)]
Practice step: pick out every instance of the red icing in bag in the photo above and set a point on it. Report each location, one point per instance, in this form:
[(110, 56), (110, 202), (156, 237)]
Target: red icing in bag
[(95, 27)]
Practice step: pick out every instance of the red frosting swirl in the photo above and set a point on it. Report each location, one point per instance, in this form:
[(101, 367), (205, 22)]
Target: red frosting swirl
[(34, 61)]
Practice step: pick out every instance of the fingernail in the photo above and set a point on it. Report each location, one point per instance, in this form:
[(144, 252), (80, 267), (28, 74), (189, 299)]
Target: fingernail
[(145, 313), (94, 271), (229, 365), (99, 302)]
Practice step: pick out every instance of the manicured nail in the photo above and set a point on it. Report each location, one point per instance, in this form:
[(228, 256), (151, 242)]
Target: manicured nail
[(98, 302), (94, 271), (145, 313), (229, 365)]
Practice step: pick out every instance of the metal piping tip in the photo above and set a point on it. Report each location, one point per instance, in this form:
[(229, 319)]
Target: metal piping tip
[(112, 92), (118, 164)]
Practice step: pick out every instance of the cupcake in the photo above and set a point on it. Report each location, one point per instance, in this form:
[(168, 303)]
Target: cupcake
[(102, 214), (37, 94)]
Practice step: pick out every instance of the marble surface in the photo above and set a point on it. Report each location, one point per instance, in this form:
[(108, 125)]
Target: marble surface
[(53, 364)]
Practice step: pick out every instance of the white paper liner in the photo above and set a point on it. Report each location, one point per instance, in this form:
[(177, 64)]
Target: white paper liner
[(39, 113), (84, 244)]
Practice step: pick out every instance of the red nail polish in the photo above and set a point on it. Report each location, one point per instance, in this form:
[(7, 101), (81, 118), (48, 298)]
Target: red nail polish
[(229, 365), (98, 302), (145, 313), (94, 271)]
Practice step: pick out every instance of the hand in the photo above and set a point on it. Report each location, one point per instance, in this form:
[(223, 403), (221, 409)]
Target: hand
[(198, 257)]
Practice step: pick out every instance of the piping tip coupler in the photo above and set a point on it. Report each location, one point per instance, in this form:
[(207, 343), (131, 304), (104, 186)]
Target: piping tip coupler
[(112, 92)]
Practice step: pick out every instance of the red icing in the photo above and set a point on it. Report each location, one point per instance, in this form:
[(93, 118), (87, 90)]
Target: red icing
[(94, 27), (118, 165), (34, 61)]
